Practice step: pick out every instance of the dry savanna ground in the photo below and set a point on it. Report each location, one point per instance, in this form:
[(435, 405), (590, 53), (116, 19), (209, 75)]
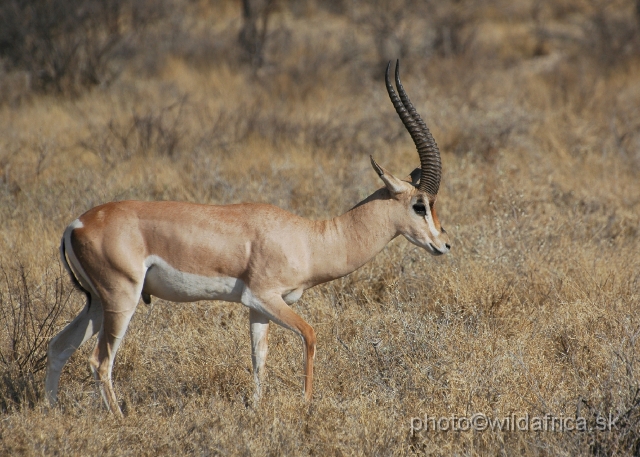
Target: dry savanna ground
[(536, 310)]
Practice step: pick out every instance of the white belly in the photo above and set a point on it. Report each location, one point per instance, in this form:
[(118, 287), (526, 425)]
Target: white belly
[(164, 281)]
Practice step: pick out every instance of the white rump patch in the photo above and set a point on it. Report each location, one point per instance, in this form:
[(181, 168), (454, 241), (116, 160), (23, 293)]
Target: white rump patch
[(74, 264)]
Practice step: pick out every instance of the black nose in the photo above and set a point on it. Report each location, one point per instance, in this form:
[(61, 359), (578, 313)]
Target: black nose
[(448, 246)]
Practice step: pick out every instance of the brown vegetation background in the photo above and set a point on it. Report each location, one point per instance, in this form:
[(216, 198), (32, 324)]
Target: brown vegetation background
[(535, 106)]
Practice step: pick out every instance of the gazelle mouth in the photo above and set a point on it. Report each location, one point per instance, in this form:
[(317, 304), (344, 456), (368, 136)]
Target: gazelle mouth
[(435, 250)]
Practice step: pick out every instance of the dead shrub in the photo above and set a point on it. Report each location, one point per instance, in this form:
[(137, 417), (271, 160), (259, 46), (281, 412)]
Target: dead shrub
[(64, 45), (29, 312)]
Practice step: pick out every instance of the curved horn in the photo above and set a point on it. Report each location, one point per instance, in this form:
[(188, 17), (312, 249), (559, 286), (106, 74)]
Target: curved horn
[(428, 151)]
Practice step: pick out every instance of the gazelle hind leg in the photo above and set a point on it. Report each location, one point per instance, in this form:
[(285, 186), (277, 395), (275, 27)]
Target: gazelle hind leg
[(64, 344), (274, 307), (259, 325), (114, 326)]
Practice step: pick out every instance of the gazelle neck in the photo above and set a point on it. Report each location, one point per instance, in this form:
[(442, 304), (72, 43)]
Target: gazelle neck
[(347, 242)]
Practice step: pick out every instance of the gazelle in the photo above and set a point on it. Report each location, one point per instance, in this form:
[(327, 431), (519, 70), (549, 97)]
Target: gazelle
[(254, 254)]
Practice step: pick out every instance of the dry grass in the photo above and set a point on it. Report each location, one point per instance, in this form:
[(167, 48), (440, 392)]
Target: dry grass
[(535, 310)]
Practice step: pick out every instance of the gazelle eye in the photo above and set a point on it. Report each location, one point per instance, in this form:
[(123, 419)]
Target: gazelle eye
[(420, 209)]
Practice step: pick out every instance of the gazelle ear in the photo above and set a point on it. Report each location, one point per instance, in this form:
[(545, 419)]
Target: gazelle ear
[(414, 177), (395, 185)]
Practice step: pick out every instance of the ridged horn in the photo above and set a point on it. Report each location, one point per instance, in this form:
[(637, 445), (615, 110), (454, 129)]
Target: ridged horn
[(430, 165)]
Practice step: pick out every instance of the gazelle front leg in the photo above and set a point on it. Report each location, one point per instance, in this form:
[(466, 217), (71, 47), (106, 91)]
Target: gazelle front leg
[(273, 307), (259, 325)]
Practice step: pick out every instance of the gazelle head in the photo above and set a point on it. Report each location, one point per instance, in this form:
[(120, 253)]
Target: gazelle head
[(417, 221)]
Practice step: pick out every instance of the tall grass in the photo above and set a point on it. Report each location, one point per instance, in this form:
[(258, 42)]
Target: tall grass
[(535, 311)]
